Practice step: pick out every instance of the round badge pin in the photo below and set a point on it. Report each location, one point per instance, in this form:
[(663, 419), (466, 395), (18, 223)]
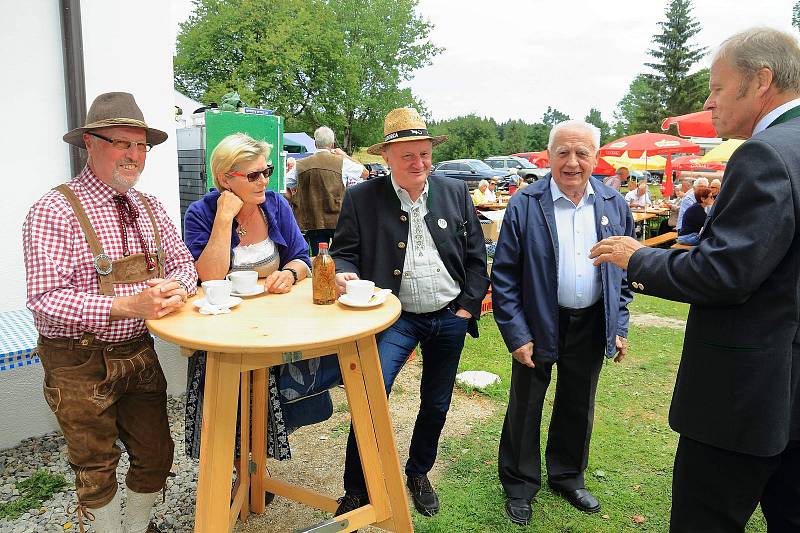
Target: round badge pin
[(604, 220), (442, 223)]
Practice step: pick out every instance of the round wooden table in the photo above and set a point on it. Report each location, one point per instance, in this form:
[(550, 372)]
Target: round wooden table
[(268, 330)]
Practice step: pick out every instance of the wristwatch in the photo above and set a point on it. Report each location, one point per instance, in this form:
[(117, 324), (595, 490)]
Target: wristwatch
[(294, 274)]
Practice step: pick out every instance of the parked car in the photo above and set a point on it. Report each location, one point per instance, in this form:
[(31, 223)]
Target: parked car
[(376, 170), (470, 170), (516, 165)]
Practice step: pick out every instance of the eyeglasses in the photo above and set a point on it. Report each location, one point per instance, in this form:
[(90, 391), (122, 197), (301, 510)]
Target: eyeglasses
[(121, 144), (254, 176)]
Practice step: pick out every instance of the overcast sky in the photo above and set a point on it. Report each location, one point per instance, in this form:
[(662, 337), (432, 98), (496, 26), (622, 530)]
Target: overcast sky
[(510, 59)]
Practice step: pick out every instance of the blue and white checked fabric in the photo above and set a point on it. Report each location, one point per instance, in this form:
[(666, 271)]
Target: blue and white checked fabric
[(17, 339)]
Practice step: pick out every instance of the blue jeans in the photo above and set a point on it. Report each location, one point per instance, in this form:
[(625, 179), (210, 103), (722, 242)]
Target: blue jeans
[(692, 239), (441, 338)]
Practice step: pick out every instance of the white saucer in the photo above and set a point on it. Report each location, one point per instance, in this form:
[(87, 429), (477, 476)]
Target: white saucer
[(233, 301), (257, 290), (377, 299)]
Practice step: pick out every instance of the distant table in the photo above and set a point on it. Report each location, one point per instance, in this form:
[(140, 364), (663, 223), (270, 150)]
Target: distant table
[(641, 217), (496, 206), (268, 330)]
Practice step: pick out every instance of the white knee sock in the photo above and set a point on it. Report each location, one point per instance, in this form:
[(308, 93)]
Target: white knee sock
[(107, 518), (137, 510)]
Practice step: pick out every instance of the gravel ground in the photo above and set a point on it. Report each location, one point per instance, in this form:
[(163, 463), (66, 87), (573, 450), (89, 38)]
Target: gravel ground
[(309, 467)]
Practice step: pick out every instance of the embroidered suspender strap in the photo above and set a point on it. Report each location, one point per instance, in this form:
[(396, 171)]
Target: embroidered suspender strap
[(156, 234), (102, 263)]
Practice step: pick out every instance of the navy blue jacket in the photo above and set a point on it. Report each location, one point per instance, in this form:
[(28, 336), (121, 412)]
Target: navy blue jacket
[(525, 270)]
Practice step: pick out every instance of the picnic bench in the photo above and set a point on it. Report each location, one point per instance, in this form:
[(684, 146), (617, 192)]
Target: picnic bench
[(658, 240)]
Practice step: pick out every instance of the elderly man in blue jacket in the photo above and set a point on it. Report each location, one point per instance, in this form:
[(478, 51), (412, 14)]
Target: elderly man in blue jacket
[(554, 307)]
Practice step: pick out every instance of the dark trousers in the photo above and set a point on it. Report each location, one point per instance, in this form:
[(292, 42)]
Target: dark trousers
[(581, 348), (101, 392), (716, 490), (441, 338), (316, 236)]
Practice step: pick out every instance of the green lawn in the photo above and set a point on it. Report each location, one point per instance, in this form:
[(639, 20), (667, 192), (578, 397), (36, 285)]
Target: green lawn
[(630, 468)]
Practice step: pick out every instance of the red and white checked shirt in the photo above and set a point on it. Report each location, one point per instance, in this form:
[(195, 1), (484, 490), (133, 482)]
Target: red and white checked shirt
[(63, 289)]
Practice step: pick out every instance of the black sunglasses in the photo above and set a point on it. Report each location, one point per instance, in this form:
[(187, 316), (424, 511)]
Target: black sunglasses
[(255, 176)]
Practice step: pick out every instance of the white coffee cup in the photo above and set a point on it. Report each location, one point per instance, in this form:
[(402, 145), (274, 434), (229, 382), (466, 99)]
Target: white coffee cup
[(359, 290), (244, 281), (218, 291)]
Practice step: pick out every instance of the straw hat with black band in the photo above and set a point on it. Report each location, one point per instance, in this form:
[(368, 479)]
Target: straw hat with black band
[(404, 124), (114, 109)]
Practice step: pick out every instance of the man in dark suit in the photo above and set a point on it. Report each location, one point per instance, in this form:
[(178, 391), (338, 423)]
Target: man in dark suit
[(554, 307), (737, 396), (419, 236)]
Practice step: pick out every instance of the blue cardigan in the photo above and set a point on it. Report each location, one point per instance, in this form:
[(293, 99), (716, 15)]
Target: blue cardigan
[(281, 227), (525, 274)]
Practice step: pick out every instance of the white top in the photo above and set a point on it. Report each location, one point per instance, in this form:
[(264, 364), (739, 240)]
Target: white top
[(634, 199), (426, 284), (253, 253), (579, 283)]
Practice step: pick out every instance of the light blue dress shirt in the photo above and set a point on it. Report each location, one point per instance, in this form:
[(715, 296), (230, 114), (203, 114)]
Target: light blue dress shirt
[(687, 202), (579, 282)]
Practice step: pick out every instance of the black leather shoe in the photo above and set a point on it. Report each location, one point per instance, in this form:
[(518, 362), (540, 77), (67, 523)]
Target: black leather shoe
[(351, 502), (518, 511), (580, 499), (425, 499)]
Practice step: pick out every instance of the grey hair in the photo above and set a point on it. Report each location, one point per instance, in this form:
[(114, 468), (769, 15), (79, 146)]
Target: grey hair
[(575, 124), (482, 183), (323, 137), (700, 182), (762, 47)]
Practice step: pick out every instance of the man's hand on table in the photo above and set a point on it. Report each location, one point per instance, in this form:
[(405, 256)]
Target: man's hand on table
[(341, 280), (160, 298)]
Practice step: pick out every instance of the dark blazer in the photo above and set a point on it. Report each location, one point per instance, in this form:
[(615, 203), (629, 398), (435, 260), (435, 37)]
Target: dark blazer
[(738, 384), (371, 236), (525, 270)]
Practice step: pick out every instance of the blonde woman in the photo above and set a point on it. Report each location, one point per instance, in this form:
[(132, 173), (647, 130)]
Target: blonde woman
[(241, 225)]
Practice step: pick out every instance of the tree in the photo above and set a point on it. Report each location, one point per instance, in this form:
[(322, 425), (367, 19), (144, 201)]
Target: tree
[(679, 92), (469, 137), (333, 62), (640, 109), (595, 117), (553, 116), (514, 135), (244, 45), (385, 41), (796, 15)]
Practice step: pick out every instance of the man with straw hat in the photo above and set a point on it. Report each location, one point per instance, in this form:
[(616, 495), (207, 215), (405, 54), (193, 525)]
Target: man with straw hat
[(100, 259), (419, 236)]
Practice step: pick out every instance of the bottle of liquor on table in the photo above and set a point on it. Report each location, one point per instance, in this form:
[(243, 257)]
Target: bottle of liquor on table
[(323, 276)]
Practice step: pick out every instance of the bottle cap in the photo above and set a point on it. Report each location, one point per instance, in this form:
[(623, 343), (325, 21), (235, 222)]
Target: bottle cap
[(323, 246)]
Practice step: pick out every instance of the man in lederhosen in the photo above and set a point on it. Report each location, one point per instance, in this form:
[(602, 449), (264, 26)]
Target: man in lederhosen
[(101, 258)]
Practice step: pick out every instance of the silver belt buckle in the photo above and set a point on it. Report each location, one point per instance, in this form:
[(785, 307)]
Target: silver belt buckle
[(103, 264)]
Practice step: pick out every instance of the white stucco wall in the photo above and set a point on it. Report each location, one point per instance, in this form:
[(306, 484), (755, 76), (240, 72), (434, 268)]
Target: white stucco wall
[(36, 159)]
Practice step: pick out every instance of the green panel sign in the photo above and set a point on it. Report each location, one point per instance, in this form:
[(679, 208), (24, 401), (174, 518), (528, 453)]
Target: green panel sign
[(269, 128)]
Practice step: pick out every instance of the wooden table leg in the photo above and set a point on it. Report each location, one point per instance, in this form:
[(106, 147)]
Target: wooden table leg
[(360, 412), (212, 514), (387, 447), (243, 468), (258, 440)]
